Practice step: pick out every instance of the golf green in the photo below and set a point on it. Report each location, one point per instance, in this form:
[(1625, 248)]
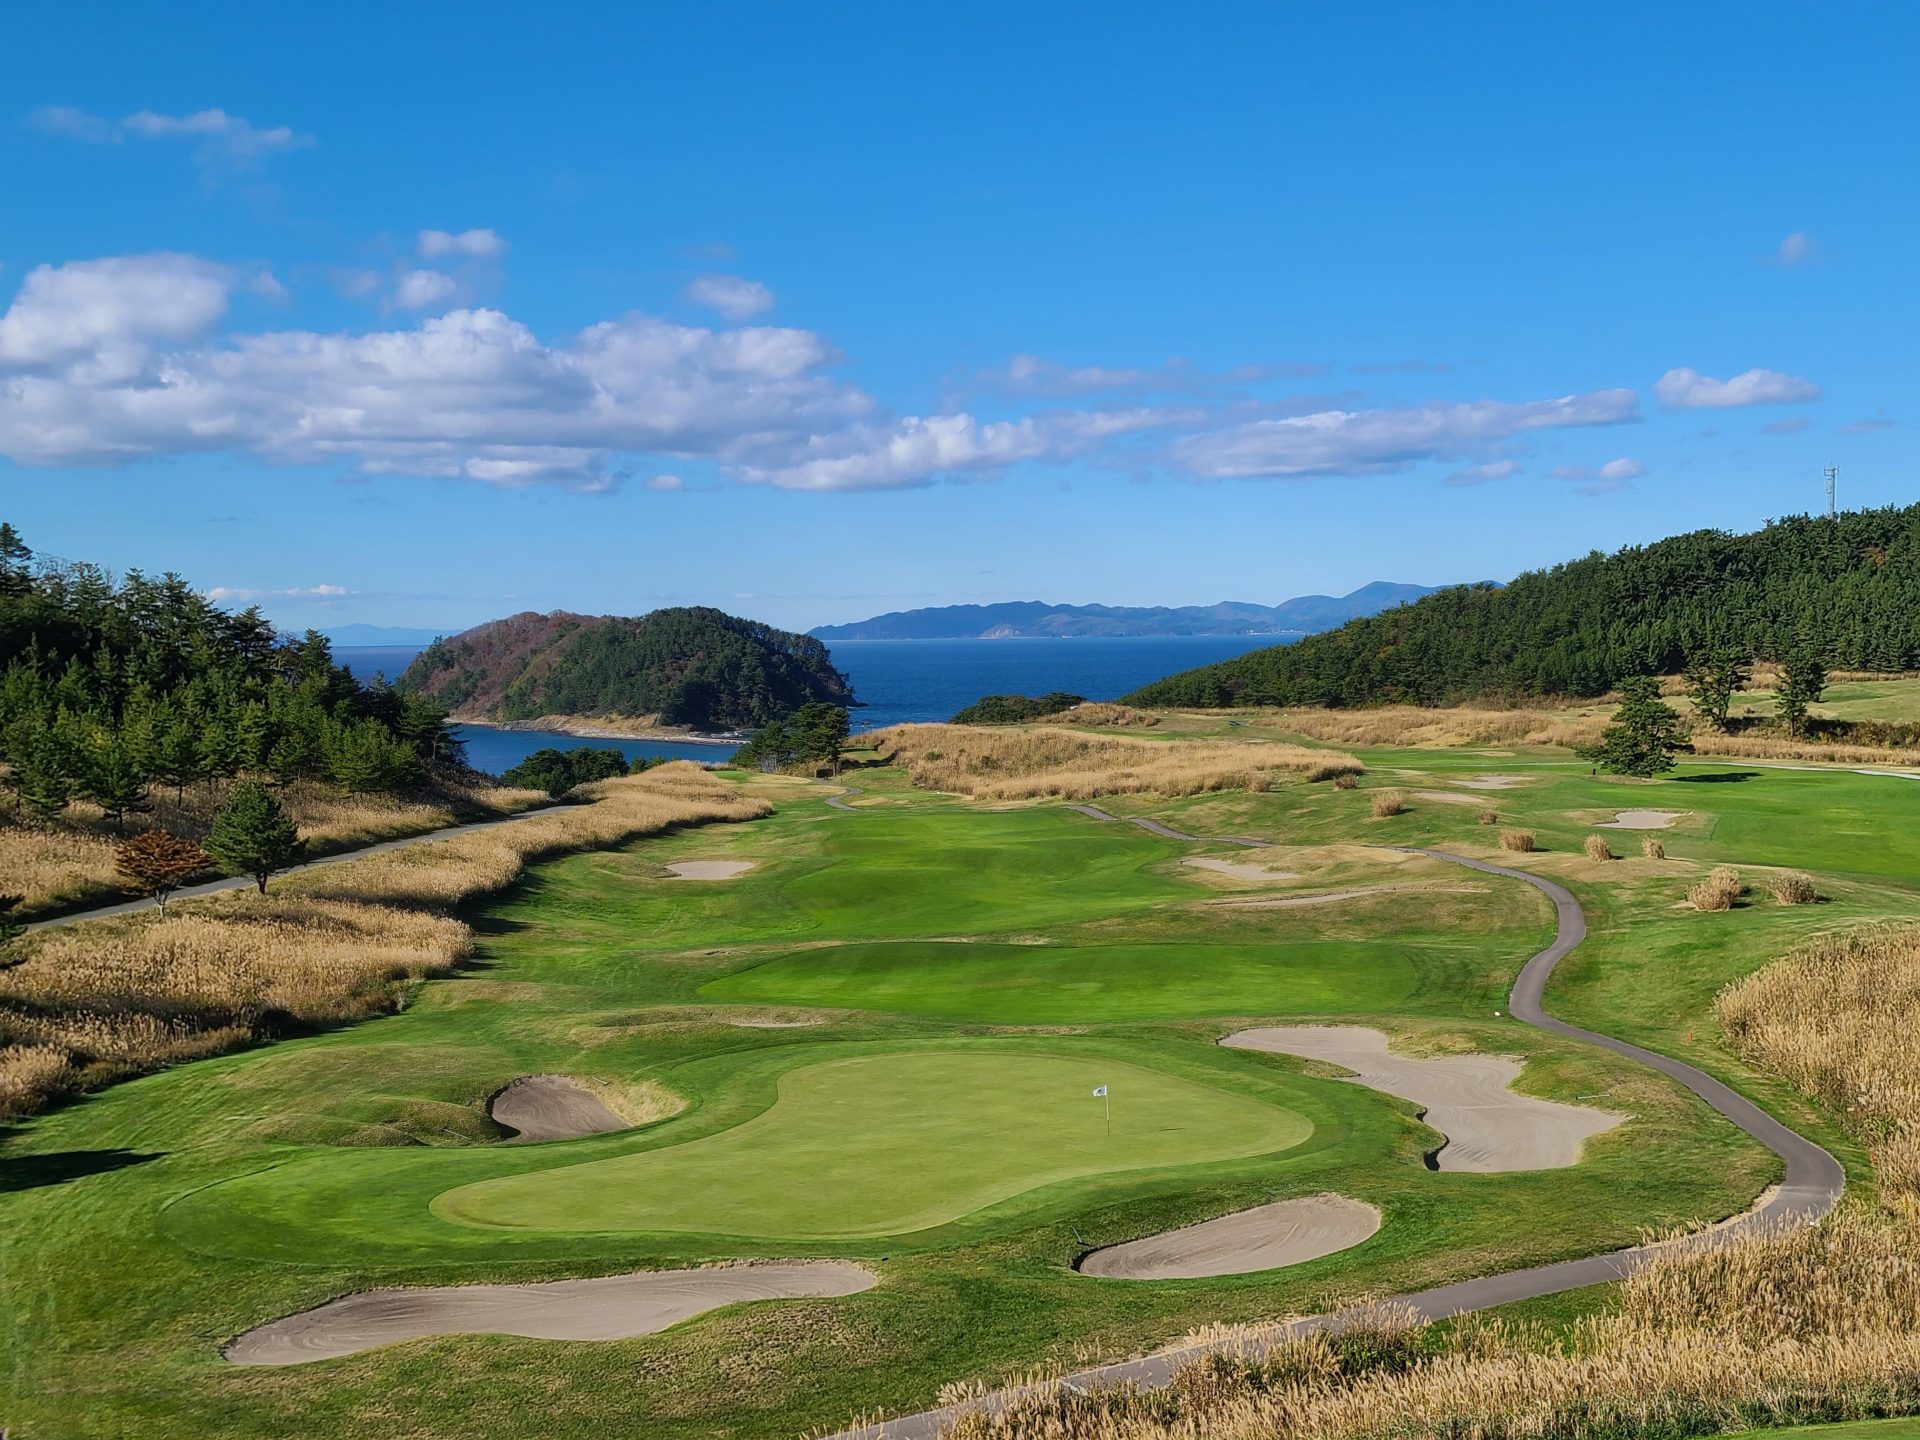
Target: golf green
[(893, 1143), (1054, 984)]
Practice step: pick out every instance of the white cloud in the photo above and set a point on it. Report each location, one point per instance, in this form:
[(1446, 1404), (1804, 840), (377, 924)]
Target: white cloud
[(1797, 249), (237, 594), (1685, 389), (666, 482), (422, 289), (730, 295), (1482, 474), (1622, 470), (1035, 375), (474, 244), (1614, 475), (107, 310), (216, 133), (1372, 442)]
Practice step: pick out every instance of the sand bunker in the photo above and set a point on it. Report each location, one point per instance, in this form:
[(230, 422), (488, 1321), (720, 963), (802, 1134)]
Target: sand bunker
[(1448, 797), (1467, 1098), (772, 1022), (709, 869), (1644, 819), (1493, 782), (1287, 1232), (615, 1308), (551, 1107), (1258, 874), (1328, 897)]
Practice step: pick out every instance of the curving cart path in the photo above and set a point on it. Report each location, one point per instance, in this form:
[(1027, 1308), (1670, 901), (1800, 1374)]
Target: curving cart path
[(1810, 1187)]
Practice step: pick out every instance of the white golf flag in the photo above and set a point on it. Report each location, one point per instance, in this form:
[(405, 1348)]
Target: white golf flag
[(1100, 1090)]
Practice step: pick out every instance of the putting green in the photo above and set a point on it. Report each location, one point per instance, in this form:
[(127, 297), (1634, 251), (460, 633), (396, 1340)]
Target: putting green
[(889, 1144), (1051, 984)]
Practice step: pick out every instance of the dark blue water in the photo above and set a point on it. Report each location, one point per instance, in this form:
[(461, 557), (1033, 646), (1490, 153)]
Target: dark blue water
[(899, 680)]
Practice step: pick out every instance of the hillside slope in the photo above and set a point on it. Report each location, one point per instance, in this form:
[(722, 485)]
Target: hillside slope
[(1039, 620), (1848, 586), (688, 666)]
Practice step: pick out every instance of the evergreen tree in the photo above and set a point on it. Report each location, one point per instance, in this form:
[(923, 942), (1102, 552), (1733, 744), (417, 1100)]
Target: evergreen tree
[(819, 732), (1802, 683), (1713, 679), (1645, 735), (176, 757), (252, 836), (558, 771), (114, 781), (45, 780)]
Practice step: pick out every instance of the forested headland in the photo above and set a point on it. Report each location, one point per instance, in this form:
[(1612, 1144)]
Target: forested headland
[(1845, 589), (689, 666)]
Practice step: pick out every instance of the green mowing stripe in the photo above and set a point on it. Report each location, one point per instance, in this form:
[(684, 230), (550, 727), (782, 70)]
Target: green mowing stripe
[(890, 1144)]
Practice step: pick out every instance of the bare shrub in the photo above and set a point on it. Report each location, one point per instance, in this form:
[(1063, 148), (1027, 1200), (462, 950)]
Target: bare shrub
[(1004, 763), (1718, 891), (1346, 782), (1335, 768), (101, 999), (1790, 887), (1518, 841), (1489, 817), (1653, 847), (1597, 848), (1388, 802)]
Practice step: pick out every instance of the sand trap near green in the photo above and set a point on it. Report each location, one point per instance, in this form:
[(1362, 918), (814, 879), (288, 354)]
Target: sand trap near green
[(1074, 984), (893, 1143)]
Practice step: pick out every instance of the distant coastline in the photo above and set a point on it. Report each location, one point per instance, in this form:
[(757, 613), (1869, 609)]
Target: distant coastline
[(588, 727)]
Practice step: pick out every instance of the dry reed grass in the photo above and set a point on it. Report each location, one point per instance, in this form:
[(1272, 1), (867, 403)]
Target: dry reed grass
[(1769, 747), (1104, 713), (1416, 725), (101, 999), (1597, 848), (1489, 817), (1518, 841), (1812, 1324), (1837, 1019), (1719, 891), (1388, 802), (1346, 782), (1003, 763), (1791, 887), (1341, 768), (1653, 847)]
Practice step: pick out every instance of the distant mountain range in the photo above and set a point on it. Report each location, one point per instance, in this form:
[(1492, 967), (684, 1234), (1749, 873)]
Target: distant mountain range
[(1034, 619)]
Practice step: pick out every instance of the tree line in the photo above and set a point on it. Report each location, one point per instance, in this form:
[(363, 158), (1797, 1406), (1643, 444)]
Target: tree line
[(1845, 590), (109, 688)]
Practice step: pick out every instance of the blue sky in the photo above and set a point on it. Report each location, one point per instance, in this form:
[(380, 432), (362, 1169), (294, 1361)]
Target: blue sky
[(416, 316)]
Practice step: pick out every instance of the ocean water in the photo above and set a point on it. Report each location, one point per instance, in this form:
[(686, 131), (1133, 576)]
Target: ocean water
[(897, 681)]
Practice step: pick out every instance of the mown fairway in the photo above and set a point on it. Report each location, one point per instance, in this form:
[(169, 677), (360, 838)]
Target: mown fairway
[(969, 976)]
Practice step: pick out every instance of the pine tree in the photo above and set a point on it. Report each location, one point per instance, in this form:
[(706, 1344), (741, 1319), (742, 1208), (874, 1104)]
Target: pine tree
[(114, 781), (1713, 680), (46, 782), (1802, 683), (1645, 735), (252, 836)]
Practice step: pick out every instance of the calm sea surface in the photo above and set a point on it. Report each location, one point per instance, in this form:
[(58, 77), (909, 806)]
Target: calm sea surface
[(899, 680)]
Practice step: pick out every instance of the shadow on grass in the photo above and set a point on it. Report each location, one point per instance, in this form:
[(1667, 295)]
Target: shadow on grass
[(31, 1172), (1724, 777)]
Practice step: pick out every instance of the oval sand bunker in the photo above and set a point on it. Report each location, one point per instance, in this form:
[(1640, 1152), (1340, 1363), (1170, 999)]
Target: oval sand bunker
[(709, 869), (1267, 1237), (617, 1307), (1643, 819), (1258, 874), (551, 1107), (1467, 1098)]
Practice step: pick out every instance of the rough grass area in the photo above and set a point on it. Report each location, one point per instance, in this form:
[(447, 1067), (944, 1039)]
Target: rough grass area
[(1007, 763), (99, 1000)]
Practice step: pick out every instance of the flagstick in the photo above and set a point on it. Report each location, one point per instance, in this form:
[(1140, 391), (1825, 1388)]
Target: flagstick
[(1107, 1100)]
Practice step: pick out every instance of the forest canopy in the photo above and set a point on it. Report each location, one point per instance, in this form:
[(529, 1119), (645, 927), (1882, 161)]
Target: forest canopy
[(1847, 586)]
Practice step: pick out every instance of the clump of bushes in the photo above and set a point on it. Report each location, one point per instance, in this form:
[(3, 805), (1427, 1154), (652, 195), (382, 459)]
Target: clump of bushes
[(1333, 769), (1518, 841), (1388, 802), (1718, 891), (1489, 817), (1016, 709), (1597, 848), (1653, 847), (1346, 782), (1790, 887)]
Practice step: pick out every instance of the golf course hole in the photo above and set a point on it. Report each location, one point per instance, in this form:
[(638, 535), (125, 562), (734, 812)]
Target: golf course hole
[(709, 869), (616, 1307), (890, 1143), (1468, 1098), (1267, 1237)]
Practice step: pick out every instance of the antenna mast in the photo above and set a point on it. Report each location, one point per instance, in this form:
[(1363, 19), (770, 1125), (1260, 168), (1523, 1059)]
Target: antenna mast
[(1833, 474)]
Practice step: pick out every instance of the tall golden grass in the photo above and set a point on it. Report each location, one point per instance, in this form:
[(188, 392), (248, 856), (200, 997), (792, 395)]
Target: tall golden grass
[(1103, 712), (98, 1000), (1719, 891), (1004, 763), (70, 862), (1811, 1324), (1838, 1019)]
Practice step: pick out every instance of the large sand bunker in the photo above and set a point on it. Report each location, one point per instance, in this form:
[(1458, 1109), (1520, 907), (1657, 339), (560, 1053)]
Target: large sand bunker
[(709, 869), (614, 1308), (1258, 874), (1287, 1232), (1329, 897), (1467, 1098), (1493, 782), (1643, 819), (551, 1107)]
